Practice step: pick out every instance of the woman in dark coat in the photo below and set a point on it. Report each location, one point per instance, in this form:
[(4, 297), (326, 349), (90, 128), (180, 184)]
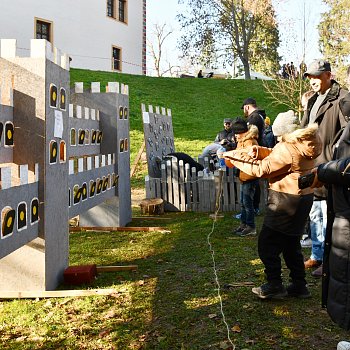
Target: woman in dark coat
[(336, 260)]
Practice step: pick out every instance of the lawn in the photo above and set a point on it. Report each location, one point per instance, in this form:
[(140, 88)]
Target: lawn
[(171, 301), (176, 299)]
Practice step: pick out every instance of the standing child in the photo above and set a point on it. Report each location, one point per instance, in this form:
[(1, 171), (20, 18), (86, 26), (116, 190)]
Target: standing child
[(246, 137), (288, 206)]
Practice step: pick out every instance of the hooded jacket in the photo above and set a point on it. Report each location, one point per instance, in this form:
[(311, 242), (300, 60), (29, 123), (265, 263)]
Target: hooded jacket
[(330, 121), (249, 139), (288, 206)]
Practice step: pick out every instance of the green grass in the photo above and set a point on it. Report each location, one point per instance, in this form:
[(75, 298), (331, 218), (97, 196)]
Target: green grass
[(171, 301), (198, 106)]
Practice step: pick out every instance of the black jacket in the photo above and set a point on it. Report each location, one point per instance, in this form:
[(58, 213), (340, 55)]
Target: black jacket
[(226, 135), (330, 121), (257, 118), (336, 260)]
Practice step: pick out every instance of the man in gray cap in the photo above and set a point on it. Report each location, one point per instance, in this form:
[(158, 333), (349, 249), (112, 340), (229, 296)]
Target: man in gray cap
[(323, 109), (224, 140)]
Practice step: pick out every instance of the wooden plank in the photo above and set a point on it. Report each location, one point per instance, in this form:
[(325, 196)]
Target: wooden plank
[(56, 293), (148, 186), (118, 229), (116, 268), (164, 183), (201, 195), (182, 190), (175, 176), (157, 187), (212, 192), (188, 206), (137, 159), (169, 182), (194, 184)]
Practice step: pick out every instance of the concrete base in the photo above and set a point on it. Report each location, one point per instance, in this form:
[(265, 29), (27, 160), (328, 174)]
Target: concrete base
[(24, 269)]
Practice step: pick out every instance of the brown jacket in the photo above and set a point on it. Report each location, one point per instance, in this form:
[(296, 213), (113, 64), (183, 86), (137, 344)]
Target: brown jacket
[(294, 156), (249, 139), (287, 206)]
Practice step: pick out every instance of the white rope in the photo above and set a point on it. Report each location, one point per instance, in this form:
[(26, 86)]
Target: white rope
[(212, 252)]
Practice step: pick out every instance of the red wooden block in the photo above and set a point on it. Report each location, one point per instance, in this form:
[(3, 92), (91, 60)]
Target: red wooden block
[(81, 274)]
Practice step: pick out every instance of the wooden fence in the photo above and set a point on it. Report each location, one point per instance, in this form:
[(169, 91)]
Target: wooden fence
[(184, 189)]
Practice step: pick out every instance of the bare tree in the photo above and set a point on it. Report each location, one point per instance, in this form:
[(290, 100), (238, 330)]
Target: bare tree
[(156, 46)]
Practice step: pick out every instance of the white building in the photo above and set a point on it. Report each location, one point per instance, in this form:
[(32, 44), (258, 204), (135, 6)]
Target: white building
[(108, 35)]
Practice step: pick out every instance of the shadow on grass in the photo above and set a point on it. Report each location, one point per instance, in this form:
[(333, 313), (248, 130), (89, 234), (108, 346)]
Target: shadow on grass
[(174, 302)]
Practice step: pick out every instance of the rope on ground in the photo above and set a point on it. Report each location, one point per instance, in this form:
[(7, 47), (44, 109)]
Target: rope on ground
[(212, 252)]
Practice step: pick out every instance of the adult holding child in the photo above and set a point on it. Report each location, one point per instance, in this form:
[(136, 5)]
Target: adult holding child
[(288, 206)]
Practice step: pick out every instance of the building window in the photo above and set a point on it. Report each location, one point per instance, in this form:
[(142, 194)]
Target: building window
[(122, 10), (111, 8), (116, 58), (43, 30)]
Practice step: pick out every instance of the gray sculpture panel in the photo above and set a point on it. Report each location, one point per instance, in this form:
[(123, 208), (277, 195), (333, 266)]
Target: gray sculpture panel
[(20, 217), (7, 129), (159, 140), (94, 182)]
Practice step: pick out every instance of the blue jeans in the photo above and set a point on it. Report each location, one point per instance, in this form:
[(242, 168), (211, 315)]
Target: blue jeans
[(318, 223), (247, 202), (211, 150)]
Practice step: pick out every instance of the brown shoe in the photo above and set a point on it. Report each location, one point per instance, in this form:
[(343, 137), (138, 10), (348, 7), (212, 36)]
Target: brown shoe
[(318, 272), (309, 264)]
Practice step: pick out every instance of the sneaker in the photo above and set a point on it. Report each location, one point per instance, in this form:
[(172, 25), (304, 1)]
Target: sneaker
[(343, 345), (318, 272), (306, 243), (310, 263), (270, 291), (237, 216), (298, 291), (240, 228), (248, 231)]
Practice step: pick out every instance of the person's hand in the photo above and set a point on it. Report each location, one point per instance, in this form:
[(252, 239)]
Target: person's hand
[(253, 152), (316, 183)]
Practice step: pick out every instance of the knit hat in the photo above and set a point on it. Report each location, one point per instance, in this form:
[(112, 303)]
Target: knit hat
[(239, 126), (267, 120), (285, 123)]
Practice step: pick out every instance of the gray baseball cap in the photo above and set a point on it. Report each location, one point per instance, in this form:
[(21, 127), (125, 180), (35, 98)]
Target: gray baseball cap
[(317, 67), (227, 120)]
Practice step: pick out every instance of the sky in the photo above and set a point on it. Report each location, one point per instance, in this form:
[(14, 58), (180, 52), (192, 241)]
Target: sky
[(290, 16)]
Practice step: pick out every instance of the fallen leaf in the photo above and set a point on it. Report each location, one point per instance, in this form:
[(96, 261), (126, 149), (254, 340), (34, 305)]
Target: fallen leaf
[(212, 315), (236, 329), (103, 333)]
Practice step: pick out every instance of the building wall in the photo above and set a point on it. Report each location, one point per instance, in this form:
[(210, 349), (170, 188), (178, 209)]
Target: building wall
[(82, 29)]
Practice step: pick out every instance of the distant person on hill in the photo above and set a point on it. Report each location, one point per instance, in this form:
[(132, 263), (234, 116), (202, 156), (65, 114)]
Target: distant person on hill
[(200, 74), (224, 141)]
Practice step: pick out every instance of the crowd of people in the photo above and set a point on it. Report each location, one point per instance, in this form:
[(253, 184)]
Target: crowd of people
[(290, 71), (307, 165)]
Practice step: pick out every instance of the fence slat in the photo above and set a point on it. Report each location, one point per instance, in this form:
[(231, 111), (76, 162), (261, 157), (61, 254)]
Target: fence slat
[(175, 175), (188, 206), (182, 186), (194, 180)]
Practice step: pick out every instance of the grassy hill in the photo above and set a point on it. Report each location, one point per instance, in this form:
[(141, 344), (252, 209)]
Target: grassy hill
[(198, 105)]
